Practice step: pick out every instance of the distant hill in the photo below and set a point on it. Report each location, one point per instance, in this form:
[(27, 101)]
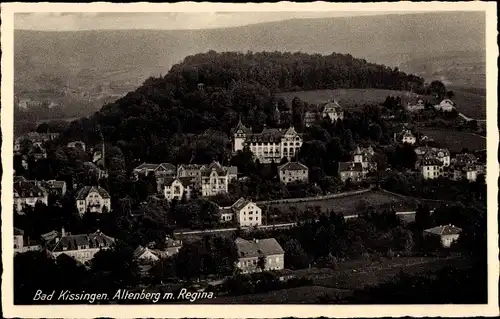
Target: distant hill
[(120, 60)]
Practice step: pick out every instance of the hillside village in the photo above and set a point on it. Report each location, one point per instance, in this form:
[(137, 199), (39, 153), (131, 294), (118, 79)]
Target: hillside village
[(121, 188)]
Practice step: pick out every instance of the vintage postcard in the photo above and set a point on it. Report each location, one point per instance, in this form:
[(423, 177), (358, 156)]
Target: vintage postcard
[(249, 160)]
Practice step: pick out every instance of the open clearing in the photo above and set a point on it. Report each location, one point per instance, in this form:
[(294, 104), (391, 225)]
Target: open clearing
[(456, 141), (348, 204), (346, 97)]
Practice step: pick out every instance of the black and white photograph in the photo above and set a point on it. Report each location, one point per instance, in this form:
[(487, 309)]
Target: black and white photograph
[(218, 157)]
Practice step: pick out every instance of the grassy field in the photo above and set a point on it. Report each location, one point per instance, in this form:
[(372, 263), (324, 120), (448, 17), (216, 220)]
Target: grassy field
[(344, 279), (346, 97), (471, 104), (347, 204), (456, 141)]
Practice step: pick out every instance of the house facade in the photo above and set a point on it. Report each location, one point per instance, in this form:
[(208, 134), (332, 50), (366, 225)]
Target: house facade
[(53, 187), (28, 193), (268, 145), (178, 187), (94, 199), (441, 154), (406, 137), (293, 172), (431, 168), (81, 247), (448, 234), (351, 171), (244, 212), (446, 105), (365, 156), (251, 251), (332, 111), (214, 179)]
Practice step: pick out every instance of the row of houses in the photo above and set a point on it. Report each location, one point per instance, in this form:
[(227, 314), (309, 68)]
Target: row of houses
[(437, 162), (212, 179), (361, 165), (88, 198), (445, 105)]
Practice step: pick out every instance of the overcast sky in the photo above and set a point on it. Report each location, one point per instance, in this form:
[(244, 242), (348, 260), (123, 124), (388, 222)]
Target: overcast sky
[(165, 21)]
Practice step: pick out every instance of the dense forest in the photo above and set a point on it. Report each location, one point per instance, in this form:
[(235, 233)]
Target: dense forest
[(211, 91)]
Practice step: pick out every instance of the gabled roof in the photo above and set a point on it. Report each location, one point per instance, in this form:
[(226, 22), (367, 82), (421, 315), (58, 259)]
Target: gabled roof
[(140, 251), (240, 204), (185, 181), (167, 166), (350, 167), (47, 237), (291, 131), (190, 166), (431, 161), (73, 242), (242, 129), (214, 166), (332, 106), (258, 248), (84, 191), (26, 189), (444, 230), (147, 166), (292, 166)]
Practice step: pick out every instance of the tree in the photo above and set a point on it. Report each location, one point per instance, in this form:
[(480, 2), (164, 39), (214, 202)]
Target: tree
[(450, 94), (261, 263), (438, 89), (295, 256)]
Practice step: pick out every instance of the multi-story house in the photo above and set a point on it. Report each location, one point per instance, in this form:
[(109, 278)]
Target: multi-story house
[(443, 155), (446, 105), (405, 137), (311, 117), (190, 170), (94, 199), (419, 106), (250, 252), (244, 212), (268, 145), (365, 156), (431, 168), (81, 247), (293, 172), (22, 244), (332, 111), (214, 179), (77, 144), (351, 171), (36, 139), (53, 187), (28, 193), (448, 234), (178, 188), (159, 170), (467, 171), (464, 159)]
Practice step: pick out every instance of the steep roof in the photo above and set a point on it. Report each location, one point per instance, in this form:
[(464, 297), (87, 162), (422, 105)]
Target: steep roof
[(147, 166), (190, 166), (73, 242), (84, 191), (28, 189), (350, 166), (292, 166), (258, 248), (168, 166), (49, 236), (240, 204), (462, 159), (332, 106), (241, 129), (444, 230), (431, 161), (54, 184), (185, 181), (214, 166)]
